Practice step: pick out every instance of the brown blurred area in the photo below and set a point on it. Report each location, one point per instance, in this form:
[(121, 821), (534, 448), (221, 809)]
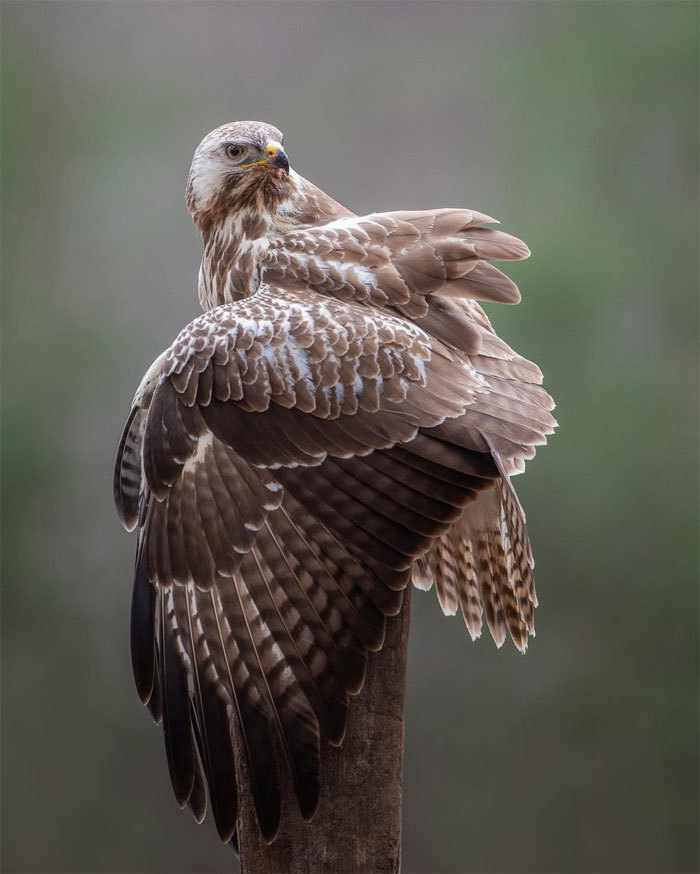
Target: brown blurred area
[(576, 125)]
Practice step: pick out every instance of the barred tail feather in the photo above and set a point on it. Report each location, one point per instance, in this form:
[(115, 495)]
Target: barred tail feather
[(484, 564)]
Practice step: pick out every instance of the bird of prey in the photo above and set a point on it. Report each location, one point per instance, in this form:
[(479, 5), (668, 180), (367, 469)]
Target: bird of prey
[(342, 420)]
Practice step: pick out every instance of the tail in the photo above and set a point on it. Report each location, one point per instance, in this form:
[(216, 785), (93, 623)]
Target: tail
[(484, 563)]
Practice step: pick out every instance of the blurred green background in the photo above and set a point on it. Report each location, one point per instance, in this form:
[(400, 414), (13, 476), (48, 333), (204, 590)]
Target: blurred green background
[(575, 124)]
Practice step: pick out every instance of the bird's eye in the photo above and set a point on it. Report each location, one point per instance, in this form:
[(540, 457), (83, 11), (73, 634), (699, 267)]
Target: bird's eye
[(234, 151)]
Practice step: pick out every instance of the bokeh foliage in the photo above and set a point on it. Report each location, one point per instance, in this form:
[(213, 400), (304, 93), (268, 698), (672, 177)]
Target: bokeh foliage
[(576, 124)]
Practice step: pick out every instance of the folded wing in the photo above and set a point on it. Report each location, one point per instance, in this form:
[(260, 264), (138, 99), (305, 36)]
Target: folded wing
[(415, 263)]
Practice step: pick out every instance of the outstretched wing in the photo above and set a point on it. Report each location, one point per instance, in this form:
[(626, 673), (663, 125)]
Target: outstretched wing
[(297, 455)]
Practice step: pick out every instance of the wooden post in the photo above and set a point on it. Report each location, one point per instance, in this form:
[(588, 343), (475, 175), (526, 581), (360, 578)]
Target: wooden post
[(357, 827)]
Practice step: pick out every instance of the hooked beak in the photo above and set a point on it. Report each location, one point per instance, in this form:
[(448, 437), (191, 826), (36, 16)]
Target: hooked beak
[(277, 156)]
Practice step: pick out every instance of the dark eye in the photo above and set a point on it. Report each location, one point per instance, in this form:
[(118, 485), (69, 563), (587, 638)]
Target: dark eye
[(235, 152)]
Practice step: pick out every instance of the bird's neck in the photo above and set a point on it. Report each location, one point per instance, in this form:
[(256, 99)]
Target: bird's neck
[(233, 248), (235, 244)]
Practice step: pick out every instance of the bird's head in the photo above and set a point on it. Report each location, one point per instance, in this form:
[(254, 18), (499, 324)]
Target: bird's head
[(238, 166)]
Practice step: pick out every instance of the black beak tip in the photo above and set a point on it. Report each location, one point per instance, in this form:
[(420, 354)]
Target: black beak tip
[(281, 160)]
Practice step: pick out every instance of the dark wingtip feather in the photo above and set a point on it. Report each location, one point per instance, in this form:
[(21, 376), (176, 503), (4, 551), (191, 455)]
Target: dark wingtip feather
[(127, 509), (143, 612), (308, 802), (305, 757), (262, 772), (216, 751), (233, 843), (269, 825), (155, 702), (177, 726), (197, 802)]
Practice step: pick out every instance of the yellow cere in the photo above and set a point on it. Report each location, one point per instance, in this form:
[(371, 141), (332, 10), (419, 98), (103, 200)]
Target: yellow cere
[(271, 150)]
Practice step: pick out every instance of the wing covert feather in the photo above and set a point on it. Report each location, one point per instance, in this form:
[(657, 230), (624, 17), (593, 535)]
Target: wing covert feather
[(412, 263)]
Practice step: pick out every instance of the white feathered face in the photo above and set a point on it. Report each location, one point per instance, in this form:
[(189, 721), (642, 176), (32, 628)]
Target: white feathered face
[(235, 166)]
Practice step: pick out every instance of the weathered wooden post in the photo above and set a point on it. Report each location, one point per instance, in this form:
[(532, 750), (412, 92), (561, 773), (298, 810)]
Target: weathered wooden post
[(357, 827)]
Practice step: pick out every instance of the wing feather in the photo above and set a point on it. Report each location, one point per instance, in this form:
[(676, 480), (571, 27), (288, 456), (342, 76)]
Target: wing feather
[(411, 262)]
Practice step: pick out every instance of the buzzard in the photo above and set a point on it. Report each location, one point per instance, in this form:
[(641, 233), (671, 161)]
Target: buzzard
[(340, 421)]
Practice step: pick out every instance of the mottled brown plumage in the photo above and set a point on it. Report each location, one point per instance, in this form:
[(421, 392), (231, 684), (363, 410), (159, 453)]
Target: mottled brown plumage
[(340, 420)]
